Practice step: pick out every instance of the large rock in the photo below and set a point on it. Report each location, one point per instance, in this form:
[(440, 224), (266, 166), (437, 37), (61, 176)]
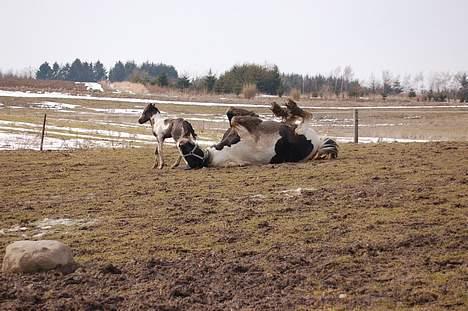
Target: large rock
[(35, 256)]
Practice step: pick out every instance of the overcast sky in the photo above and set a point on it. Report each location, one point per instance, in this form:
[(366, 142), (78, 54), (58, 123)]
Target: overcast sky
[(315, 36)]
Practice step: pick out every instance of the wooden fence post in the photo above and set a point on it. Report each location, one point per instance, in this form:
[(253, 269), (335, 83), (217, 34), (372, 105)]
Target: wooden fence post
[(43, 131), (356, 125)]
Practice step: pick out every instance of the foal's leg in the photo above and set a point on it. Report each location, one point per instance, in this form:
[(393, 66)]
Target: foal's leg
[(177, 162), (160, 153), (156, 156)]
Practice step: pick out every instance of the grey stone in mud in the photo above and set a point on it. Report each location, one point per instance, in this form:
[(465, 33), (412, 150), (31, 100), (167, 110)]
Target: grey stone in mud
[(36, 256)]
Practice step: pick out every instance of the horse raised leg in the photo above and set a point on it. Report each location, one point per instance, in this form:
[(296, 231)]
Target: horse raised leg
[(177, 162)]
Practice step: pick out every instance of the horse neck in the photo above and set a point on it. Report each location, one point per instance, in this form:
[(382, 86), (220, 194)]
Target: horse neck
[(156, 119)]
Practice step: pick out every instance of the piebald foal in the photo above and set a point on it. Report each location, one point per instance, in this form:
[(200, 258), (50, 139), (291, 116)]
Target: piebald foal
[(165, 128)]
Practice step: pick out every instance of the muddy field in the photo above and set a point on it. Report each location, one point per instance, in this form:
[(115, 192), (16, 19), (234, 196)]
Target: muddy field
[(382, 227)]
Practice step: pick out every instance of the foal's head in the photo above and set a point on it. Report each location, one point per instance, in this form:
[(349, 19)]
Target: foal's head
[(149, 111)]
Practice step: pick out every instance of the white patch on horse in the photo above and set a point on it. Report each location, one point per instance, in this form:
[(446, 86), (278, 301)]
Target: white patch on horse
[(250, 150)]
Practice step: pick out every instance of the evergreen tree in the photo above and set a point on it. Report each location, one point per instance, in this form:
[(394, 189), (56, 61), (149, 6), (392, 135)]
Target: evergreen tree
[(44, 72), (162, 80), (117, 73), (99, 72), (86, 72), (183, 82), (130, 68), (396, 87), (64, 73), (55, 71), (210, 81), (76, 71)]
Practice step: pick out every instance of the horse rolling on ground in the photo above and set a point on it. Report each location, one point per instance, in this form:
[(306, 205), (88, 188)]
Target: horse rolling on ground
[(166, 128), (253, 141), (230, 137)]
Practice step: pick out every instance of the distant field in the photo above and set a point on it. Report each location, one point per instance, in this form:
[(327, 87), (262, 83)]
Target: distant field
[(382, 227), (88, 122)]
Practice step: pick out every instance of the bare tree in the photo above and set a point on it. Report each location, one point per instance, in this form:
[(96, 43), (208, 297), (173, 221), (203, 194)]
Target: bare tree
[(386, 83), (346, 76), (406, 83), (373, 84), (336, 74), (418, 82)]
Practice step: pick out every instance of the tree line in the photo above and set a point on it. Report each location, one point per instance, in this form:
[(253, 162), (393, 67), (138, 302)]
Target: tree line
[(77, 71), (267, 79)]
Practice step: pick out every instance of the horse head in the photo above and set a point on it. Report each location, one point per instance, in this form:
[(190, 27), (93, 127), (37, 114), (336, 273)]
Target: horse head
[(192, 153), (149, 111)]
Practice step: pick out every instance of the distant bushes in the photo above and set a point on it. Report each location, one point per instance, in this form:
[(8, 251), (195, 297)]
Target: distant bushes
[(160, 74), (265, 78), (295, 94), (248, 79)]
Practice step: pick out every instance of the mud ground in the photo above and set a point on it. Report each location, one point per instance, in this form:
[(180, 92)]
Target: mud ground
[(382, 227)]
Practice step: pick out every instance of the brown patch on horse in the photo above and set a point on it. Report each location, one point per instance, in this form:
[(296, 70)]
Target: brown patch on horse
[(236, 112), (248, 122), (292, 114)]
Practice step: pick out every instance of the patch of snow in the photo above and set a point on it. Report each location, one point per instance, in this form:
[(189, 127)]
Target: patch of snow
[(372, 140), (46, 223), (297, 192), (267, 96), (92, 86), (55, 106), (118, 111), (28, 94), (29, 137)]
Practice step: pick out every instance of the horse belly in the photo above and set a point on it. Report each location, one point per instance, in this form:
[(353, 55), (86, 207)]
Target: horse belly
[(247, 151)]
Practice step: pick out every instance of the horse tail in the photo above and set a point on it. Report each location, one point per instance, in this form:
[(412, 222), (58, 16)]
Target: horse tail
[(327, 150)]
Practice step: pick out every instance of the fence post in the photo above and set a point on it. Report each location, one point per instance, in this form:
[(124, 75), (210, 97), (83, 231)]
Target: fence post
[(356, 125), (43, 131)]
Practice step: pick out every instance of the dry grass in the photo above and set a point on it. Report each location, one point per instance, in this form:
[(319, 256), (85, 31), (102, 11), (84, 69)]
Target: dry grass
[(129, 87), (249, 90), (295, 94), (17, 84)]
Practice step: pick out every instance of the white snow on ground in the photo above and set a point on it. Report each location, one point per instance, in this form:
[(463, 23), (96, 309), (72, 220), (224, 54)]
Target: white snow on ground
[(55, 106), (29, 138), (210, 104), (368, 140), (267, 96), (15, 141), (92, 86), (118, 110), (39, 228)]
